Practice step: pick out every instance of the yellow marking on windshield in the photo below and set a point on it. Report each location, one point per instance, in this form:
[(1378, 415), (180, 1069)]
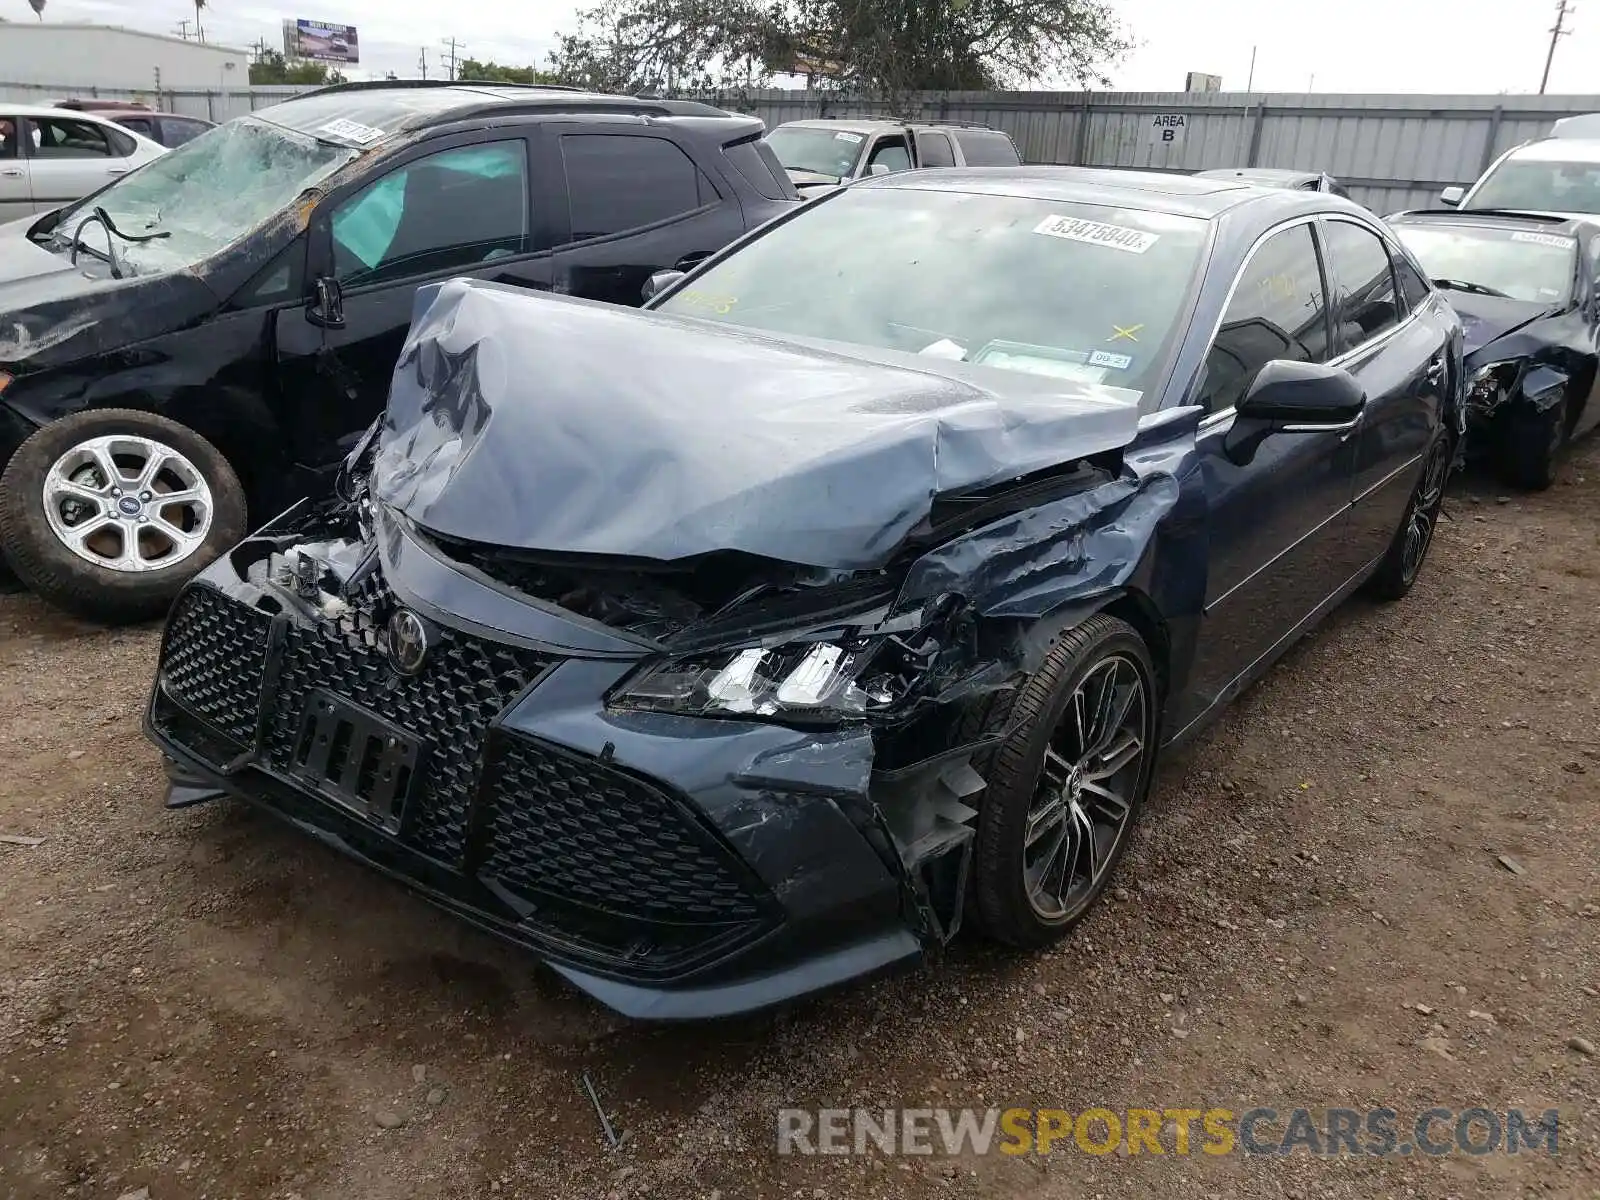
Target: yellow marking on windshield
[(722, 305), (1131, 333)]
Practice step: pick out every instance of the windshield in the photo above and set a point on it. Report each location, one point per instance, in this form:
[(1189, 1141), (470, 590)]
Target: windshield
[(1522, 264), (1540, 186), (204, 195), (1076, 291), (831, 152)]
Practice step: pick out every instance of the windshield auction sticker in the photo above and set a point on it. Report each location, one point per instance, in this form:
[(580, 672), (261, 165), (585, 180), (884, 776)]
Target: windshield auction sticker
[(351, 131), (842, 136), (1096, 233), (1545, 239)]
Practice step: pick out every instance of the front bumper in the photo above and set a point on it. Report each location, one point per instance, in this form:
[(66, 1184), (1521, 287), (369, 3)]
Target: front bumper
[(671, 867)]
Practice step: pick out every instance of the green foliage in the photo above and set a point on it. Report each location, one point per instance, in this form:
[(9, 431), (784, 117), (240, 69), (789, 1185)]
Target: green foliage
[(493, 72), (272, 67), (883, 47)]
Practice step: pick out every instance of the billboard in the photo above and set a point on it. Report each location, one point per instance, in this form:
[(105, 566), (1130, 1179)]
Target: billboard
[(320, 42), (1201, 82)]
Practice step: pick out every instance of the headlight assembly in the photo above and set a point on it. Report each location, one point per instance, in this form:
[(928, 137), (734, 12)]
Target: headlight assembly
[(1491, 384), (806, 681)]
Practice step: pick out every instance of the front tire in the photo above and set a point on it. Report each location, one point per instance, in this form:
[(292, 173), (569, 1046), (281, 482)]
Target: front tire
[(108, 513), (1066, 787), (1529, 444), (1397, 573)]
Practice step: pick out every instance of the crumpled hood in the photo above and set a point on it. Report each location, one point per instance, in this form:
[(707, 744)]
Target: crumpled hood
[(550, 424), (53, 313), (1487, 318)]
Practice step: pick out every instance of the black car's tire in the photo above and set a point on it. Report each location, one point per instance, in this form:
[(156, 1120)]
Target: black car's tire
[(1043, 762), (1529, 443), (1408, 550), (82, 549)]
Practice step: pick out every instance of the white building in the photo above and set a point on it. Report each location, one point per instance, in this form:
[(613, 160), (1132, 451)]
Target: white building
[(68, 60)]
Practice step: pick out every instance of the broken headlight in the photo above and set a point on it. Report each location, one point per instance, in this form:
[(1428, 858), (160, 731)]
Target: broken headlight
[(1490, 385), (804, 681)]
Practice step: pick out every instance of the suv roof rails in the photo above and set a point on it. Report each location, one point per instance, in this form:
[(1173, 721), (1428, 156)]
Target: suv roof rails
[(379, 85)]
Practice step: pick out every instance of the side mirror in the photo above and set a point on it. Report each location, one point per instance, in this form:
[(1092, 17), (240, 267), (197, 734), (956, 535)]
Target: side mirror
[(326, 308), (660, 282), (1452, 197), (1302, 397), (878, 168)]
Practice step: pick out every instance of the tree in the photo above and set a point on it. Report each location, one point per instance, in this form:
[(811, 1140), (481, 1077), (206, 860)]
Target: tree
[(272, 67), (493, 72), (884, 47)]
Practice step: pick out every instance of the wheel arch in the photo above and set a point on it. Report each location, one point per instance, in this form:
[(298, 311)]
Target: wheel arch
[(1138, 610)]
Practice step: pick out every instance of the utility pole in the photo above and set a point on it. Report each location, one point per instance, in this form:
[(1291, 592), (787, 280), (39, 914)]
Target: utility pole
[(1250, 84), (422, 62), (183, 29), (1563, 10), (454, 46)]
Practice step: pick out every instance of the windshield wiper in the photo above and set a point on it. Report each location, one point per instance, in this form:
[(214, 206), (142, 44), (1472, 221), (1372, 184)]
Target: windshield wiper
[(102, 217), (1464, 285)]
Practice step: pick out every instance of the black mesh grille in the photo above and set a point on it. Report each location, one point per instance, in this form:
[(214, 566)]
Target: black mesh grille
[(213, 660), (579, 830), (464, 684)]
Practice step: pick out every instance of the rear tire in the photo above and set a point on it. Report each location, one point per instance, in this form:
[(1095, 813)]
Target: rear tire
[(1059, 809), (108, 513), (1398, 572), (1529, 444)]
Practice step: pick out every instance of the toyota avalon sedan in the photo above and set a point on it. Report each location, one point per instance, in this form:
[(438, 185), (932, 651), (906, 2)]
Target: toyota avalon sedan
[(723, 651)]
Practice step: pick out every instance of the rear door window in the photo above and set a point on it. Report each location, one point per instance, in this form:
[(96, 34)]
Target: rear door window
[(934, 150), (175, 131), (1365, 305), (57, 137), (987, 148), (618, 182), (456, 208)]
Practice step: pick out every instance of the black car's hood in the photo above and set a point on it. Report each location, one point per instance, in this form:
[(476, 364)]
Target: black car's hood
[(550, 424), (52, 312), (1487, 318)]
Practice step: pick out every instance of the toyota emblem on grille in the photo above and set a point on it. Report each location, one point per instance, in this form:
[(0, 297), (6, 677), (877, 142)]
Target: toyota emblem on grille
[(408, 641)]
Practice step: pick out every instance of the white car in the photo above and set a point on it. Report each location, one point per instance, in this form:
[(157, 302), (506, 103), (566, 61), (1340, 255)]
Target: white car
[(1555, 174), (53, 156)]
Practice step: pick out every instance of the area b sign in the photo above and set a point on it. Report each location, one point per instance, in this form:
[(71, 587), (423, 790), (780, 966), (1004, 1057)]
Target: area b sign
[(1166, 129)]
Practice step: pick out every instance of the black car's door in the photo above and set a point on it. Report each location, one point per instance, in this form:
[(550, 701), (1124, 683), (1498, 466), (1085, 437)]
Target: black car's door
[(1401, 360), (1278, 517), (456, 206), (1587, 292), (636, 203)]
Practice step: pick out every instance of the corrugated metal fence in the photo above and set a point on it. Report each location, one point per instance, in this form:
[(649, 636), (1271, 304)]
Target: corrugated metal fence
[(1393, 152)]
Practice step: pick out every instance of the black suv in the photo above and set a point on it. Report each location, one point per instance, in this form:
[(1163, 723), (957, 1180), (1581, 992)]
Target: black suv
[(207, 337)]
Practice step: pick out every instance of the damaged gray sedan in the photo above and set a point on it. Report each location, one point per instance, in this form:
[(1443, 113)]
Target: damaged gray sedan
[(731, 649)]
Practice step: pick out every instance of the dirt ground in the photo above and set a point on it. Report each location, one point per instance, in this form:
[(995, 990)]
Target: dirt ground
[(1315, 914)]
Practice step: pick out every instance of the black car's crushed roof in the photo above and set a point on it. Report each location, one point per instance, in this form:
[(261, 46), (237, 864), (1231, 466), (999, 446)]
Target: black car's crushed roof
[(365, 114)]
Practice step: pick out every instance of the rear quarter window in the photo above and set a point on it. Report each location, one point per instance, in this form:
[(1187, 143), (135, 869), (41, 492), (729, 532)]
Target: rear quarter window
[(987, 148)]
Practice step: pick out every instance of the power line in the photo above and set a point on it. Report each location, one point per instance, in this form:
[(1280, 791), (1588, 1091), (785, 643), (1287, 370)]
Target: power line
[(453, 61), (1564, 10)]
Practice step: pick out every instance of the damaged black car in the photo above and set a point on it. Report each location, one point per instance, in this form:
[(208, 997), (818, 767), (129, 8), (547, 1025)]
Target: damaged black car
[(1528, 291), (206, 338), (731, 649)]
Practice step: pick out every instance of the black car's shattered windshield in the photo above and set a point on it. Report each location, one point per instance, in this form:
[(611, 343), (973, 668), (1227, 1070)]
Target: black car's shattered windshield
[(1076, 291)]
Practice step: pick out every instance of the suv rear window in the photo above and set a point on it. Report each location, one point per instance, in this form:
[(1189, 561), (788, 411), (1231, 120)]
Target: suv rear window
[(754, 160), (987, 148)]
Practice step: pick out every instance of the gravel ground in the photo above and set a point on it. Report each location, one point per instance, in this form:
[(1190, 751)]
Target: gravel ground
[(1315, 913)]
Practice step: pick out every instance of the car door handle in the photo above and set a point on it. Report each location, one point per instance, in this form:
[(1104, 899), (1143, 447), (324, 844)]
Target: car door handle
[(12, 172), (116, 170)]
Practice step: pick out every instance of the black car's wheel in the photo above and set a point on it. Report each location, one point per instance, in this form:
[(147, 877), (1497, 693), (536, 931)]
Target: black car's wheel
[(109, 513), (1529, 442), (1066, 787), (1397, 573)]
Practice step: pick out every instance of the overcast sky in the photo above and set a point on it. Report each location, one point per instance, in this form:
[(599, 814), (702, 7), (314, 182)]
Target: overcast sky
[(1320, 45)]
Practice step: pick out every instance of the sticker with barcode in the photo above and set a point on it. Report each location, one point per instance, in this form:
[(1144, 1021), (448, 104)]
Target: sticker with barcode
[(1545, 239), (842, 136), (352, 131), (1098, 233)]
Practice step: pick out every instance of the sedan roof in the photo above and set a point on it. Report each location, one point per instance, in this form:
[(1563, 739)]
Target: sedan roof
[(1178, 195), (1268, 175)]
